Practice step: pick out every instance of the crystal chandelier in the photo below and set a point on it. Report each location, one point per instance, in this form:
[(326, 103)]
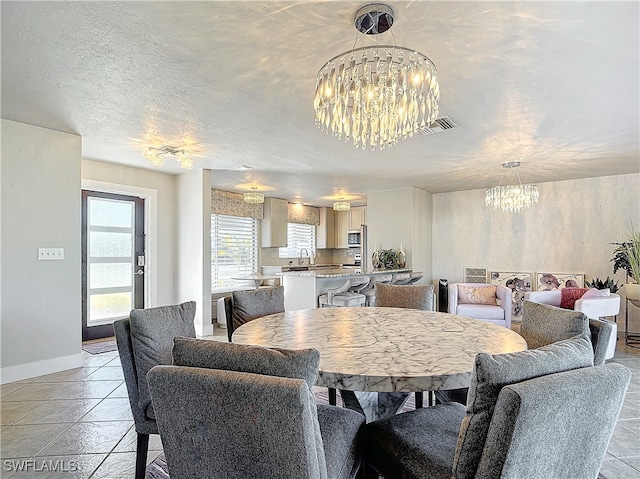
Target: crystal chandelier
[(511, 198), (253, 196), (341, 205), (375, 96), (156, 156)]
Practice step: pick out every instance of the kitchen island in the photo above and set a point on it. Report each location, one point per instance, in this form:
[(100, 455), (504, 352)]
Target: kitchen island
[(302, 288)]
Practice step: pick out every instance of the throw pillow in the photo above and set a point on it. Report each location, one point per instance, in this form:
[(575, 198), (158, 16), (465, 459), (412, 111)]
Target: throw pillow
[(405, 296), (568, 296), (544, 324), (152, 333), (596, 293), (286, 363), (491, 373), (249, 305), (477, 295)]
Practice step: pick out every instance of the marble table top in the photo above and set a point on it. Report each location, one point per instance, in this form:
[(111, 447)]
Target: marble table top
[(337, 273), (384, 349)]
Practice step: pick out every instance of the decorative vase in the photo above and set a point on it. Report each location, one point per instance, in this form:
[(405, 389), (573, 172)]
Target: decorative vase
[(402, 258), (375, 260)]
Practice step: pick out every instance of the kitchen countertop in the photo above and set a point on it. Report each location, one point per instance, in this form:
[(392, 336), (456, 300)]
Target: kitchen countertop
[(337, 273)]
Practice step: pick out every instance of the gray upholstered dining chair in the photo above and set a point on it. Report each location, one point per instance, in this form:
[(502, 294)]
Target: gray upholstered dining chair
[(405, 296), (244, 306), (401, 278), (536, 413), (370, 291), (145, 340), (342, 296), (236, 411)]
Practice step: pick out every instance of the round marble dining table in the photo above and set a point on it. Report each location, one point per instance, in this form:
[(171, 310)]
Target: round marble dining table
[(384, 350)]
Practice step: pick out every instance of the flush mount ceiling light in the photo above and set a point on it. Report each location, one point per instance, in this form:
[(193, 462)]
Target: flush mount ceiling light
[(341, 205), (511, 198), (253, 196), (156, 156), (377, 95)]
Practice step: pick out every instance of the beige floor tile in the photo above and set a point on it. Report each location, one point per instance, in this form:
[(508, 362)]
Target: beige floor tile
[(110, 409), (115, 363), (76, 374), (60, 410), (90, 360), (9, 388), (89, 389), (11, 412), (118, 464), (62, 467), (106, 374), (128, 443), (88, 438), (616, 469), (26, 441), (120, 392), (36, 392)]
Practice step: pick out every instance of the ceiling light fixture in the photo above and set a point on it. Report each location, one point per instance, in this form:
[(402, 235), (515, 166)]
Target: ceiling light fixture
[(341, 205), (156, 156), (375, 96), (253, 196), (511, 198)]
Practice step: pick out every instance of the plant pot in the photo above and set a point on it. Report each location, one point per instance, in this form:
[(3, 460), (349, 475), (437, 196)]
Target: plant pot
[(632, 291)]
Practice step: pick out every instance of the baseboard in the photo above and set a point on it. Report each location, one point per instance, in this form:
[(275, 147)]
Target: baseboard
[(40, 368)]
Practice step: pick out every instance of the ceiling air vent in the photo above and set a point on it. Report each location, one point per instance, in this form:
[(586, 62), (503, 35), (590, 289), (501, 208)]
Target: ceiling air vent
[(441, 124)]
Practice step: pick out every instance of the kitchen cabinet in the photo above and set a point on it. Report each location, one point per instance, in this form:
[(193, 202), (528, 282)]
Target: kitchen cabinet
[(341, 229), (357, 217), (326, 230), (274, 223)]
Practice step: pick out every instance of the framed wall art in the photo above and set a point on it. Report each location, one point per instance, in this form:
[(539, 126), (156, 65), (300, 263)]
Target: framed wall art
[(519, 283), (551, 281)]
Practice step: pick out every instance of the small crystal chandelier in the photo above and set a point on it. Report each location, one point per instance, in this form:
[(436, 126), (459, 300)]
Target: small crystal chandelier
[(375, 96), (253, 196), (156, 156), (511, 198), (341, 205)]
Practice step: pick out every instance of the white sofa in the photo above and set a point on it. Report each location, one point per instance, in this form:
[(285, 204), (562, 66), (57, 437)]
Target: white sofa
[(592, 308), (497, 314)]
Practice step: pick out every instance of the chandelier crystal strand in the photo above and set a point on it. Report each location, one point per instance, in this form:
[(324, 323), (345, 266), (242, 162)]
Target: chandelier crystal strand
[(376, 100), (511, 198)]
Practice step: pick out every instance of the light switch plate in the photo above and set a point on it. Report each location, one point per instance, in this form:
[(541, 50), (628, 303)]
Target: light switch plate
[(50, 254)]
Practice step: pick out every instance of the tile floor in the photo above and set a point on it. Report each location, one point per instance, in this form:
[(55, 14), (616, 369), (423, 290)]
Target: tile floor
[(79, 422)]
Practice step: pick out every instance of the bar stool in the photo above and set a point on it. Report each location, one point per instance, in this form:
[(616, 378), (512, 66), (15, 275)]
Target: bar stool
[(414, 278), (341, 297), (370, 291), (401, 278)]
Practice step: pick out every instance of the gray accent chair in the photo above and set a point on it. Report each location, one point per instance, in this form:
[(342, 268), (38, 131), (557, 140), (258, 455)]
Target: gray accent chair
[(244, 306), (236, 411), (144, 340), (405, 296), (539, 413)]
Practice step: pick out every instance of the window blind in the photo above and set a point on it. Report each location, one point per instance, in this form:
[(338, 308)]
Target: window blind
[(298, 236), (234, 249)]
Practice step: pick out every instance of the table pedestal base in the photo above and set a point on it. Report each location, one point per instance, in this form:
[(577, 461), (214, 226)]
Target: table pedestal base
[(372, 405)]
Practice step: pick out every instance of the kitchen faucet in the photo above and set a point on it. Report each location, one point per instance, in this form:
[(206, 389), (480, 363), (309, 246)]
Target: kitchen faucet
[(301, 259)]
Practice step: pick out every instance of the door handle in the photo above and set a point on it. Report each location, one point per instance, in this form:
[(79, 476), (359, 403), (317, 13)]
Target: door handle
[(139, 272)]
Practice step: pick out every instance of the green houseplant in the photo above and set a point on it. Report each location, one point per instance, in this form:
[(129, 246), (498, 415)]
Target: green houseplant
[(388, 259), (627, 257), (608, 283)]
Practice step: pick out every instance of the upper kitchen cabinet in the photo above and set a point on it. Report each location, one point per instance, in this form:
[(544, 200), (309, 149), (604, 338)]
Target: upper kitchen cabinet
[(326, 230), (342, 220), (274, 224), (357, 217)]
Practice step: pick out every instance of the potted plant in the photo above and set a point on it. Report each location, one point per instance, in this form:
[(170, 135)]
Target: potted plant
[(627, 257), (608, 283), (388, 259)]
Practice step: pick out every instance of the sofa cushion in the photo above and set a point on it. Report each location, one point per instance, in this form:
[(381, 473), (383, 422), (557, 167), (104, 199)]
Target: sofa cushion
[(569, 296), (152, 333), (405, 296), (543, 324), (491, 373), (477, 295), (252, 304), (286, 363), (480, 311)]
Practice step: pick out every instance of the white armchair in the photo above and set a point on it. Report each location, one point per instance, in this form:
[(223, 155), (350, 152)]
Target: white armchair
[(497, 313), (592, 308)]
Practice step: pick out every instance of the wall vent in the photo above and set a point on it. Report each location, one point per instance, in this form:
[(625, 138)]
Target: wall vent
[(441, 124), (475, 274)]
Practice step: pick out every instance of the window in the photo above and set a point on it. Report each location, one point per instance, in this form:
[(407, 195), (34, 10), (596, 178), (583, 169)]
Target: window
[(298, 236), (234, 248)]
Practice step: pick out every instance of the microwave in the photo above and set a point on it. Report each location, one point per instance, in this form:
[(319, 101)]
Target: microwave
[(354, 238)]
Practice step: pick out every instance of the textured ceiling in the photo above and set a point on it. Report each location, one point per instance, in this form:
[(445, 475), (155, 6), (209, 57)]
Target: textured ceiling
[(554, 84)]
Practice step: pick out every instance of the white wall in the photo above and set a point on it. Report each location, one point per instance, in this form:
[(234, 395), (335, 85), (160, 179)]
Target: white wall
[(161, 227), (41, 207), (194, 245), (569, 231), (402, 216)]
